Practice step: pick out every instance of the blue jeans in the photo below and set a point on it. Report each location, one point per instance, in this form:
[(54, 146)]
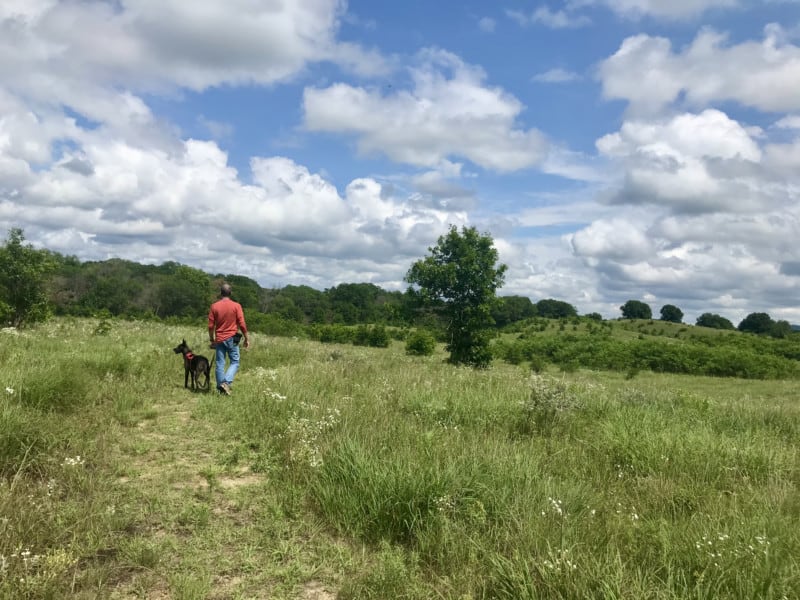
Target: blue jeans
[(231, 350)]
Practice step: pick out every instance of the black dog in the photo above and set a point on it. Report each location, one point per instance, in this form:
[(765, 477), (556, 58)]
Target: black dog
[(194, 365)]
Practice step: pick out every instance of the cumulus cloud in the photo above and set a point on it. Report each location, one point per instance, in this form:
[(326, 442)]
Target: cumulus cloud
[(711, 214), (690, 163), (149, 44), (114, 199), (647, 73), (450, 112)]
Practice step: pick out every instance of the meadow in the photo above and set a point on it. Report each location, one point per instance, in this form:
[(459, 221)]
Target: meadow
[(352, 472)]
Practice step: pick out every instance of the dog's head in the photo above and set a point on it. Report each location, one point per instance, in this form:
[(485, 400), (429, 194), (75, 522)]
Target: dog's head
[(181, 348)]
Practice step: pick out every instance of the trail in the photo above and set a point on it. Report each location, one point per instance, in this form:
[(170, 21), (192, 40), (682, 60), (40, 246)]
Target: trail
[(203, 529)]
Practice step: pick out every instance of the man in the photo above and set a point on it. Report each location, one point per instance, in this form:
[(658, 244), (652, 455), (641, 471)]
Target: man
[(224, 320)]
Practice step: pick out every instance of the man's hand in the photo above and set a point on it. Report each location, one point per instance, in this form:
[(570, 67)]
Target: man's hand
[(246, 343)]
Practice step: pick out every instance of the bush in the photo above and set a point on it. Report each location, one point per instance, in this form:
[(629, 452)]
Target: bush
[(420, 343), (378, 337)]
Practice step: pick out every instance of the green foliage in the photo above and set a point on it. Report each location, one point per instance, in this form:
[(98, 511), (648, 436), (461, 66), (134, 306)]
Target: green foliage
[(333, 334), (781, 329), (718, 356), (550, 399), (510, 309), (371, 335), (23, 275), (462, 277), (187, 292), (759, 323), (671, 313), (714, 321), (555, 309), (420, 343), (636, 309)]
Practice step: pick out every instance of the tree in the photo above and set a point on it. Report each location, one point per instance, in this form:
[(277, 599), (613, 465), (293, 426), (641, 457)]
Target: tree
[(634, 309), (461, 277), (23, 276), (555, 309), (759, 323), (781, 329), (671, 313), (511, 309), (187, 292), (713, 321)]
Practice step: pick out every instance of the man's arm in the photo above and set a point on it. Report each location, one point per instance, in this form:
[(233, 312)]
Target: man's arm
[(211, 327), (243, 327)]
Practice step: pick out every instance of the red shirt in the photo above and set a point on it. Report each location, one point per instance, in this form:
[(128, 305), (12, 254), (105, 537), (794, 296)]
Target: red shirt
[(225, 318)]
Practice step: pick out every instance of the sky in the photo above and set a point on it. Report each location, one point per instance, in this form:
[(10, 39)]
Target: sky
[(613, 149)]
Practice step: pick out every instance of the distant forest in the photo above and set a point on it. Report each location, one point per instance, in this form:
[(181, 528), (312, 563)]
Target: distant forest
[(176, 292)]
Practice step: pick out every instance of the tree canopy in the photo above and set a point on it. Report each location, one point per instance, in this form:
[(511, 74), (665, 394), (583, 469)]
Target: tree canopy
[(713, 321), (635, 309), (461, 277), (671, 313), (23, 275), (757, 322), (555, 309)]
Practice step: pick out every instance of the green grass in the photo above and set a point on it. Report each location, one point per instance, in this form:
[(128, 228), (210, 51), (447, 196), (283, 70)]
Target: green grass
[(354, 472)]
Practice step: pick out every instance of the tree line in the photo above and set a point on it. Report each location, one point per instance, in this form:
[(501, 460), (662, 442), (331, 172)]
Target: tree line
[(452, 290)]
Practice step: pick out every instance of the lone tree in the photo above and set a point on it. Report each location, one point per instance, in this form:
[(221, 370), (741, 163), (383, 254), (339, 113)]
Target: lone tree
[(671, 313), (461, 277), (23, 275), (634, 309)]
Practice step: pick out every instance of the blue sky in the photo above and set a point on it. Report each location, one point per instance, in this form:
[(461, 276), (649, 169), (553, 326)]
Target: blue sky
[(614, 149)]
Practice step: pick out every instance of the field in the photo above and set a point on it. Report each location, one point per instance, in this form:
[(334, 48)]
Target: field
[(338, 471)]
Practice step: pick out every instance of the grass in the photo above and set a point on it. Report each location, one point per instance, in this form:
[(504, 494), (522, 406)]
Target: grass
[(352, 472)]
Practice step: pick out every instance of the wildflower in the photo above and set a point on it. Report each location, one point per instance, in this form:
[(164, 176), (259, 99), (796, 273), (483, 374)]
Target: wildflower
[(9, 390), (73, 462)]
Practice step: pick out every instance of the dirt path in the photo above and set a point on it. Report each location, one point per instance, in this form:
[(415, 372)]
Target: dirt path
[(203, 529)]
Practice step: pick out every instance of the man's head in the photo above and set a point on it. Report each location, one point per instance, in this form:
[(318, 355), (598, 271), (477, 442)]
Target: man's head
[(225, 290)]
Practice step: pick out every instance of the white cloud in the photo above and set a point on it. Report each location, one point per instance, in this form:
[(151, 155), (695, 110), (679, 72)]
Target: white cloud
[(712, 212), (557, 75), (553, 19), (649, 75), (450, 112), (487, 24), (164, 44), (660, 9), (690, 163), (788, 122)]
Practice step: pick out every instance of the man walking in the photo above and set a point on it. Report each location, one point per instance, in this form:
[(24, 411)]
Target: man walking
[(225, 319)]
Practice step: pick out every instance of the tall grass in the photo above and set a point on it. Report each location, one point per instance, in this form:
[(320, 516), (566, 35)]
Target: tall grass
[(409, 478)]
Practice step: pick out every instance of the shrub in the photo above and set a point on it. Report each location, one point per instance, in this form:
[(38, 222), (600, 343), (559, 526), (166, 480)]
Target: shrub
[(378, 337), (549, 399), (420, 343)]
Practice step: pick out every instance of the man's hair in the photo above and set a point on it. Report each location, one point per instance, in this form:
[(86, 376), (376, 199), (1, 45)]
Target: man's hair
[(225, 290)]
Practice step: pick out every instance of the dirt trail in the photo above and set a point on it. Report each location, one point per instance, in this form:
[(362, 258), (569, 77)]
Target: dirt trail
[(203, 530)]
